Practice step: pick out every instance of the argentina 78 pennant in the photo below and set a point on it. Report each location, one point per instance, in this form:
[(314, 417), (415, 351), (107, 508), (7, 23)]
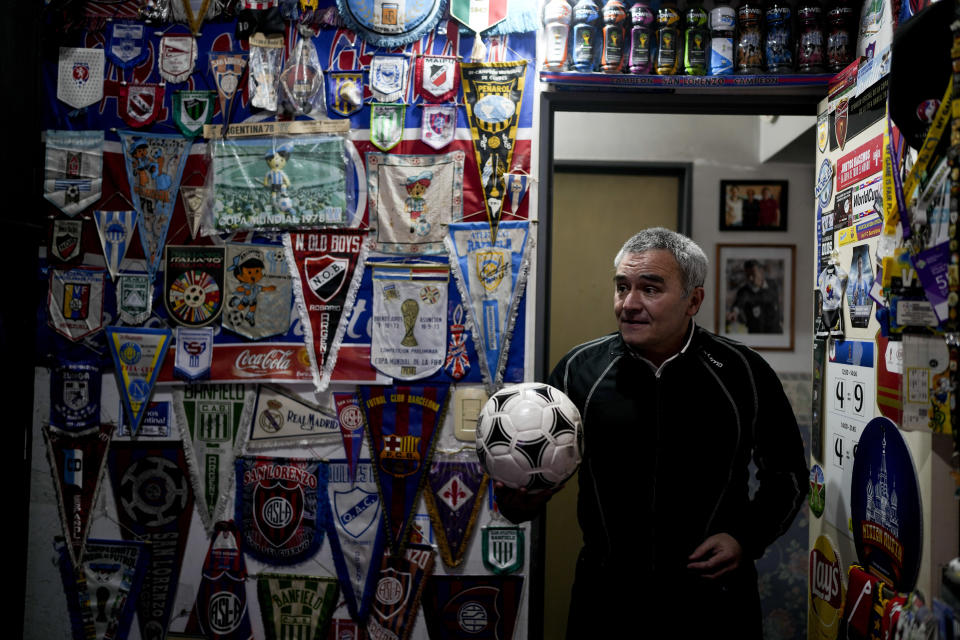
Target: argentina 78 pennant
[(220, 611), (73, 172), (138, 354), (296, 607)]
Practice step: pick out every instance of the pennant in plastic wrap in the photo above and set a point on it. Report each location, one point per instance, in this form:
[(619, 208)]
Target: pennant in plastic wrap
[(191, 110), (355, 530), (80, 77), (65, 241), (492, 95), (412, 198), (138, 354), (483, 607), (220, 612), (437, 78), (196, 203), (213, 419), (126, 44), (177, 57), (193, 284), (345, 92), (134, 298), (103, 589), (409, 322), (76, 463), (140, 104), (115, 229), (278, 507), (329, 267), (454, 496), (439, 125), (399, 588), (402, 424), (350, 418), (388, 77), (73, 173), (491, 278), (75, 301), (227, 70), (457, 362), (264, 61), (302, 79), (193, 353), (75, 395), (282, 419), (154, 504), (386, 125), (259, 291), (154, 167), (297, 607)]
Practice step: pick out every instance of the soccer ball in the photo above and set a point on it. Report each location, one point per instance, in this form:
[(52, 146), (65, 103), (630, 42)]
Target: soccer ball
[(285, 205), (530, 436)]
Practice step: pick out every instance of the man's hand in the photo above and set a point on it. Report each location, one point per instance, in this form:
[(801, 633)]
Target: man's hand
[(717, 555), (519, 505)]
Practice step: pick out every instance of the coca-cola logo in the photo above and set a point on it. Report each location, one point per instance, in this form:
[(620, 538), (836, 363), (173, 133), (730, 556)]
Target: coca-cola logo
[(253, 364), (824, 579)]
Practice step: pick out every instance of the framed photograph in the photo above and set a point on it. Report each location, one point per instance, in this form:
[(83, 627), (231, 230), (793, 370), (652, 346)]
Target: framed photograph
[(755, 294), (753, 205)]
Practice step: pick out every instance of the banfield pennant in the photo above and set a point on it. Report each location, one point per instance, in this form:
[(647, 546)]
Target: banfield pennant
[(403, 422)]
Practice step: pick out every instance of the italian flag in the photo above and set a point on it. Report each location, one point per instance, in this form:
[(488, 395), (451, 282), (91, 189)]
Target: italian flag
[(478, 15)]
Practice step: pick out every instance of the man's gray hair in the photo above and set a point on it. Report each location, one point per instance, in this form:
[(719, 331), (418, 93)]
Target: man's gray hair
[(688, 254)]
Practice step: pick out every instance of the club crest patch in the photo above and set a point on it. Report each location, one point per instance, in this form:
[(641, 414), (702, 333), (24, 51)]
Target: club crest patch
[(80, 76), (220, 610), (296, 606), (472, 606), (193, 284), (138, 354), (439, 125), (75, 301), (75, 395), (73, 170), (840, 122), (345, 92), (194, 353), (115, 229), (282, 419), (503, 549), (386, 125), (140, 104), (192, 110), (177, 57), (437, 78), (66, 240), (259, 291), (134, 298), (396, 599), (126, 44), (388, 77), (350, 418)]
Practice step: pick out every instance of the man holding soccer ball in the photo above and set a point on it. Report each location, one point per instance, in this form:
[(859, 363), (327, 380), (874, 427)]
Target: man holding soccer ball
[(672, 415)]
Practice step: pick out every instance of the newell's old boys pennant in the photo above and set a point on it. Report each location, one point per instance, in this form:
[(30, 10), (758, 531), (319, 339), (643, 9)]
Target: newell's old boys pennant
[(296, 607), (193, 353), (75, 395), (437, 78), (492, 278), (492, 94), (115, 229), (154, 505), (386, 124), (213, 419), (126, 44), (259, 291), (193, 284), (73, 171), (138, 354), (192, 110), (408, 337), (350, 417), (329, 267), (402, 423), (75, 301), (154, 164), (355, 530), (278, 507), (80, 76), (454, 496), (220, 611), (483, 607), (396, 603), (283, 419), (412, 198)]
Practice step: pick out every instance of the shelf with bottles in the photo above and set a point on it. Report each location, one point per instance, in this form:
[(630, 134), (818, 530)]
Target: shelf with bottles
[(613, 81)]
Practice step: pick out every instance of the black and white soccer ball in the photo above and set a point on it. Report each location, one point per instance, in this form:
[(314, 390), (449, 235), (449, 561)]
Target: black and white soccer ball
[(530, 436)]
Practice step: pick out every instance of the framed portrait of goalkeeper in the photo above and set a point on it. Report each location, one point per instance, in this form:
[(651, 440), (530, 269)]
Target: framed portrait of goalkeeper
[(755, 294)]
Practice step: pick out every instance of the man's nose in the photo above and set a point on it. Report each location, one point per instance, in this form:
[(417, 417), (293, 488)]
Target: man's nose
[(633, 299)]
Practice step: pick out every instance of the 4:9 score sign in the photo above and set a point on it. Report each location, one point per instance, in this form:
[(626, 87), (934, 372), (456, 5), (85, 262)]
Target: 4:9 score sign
[(849, 397)]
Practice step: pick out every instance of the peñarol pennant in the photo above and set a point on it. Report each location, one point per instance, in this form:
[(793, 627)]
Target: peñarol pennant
[(76, 462), (492, 93), (399, 588), (296, 607), (402, 423), (329, 267), (278, 507), (284, 419), (220, 612), (491, 277), (115, 229), (73, 173), (212, 419), (483, 607), (355, 530), (138, 354), (454, 495), (154, 504)]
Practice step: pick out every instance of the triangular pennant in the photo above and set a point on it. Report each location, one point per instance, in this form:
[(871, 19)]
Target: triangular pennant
[(196, 202), (259, 291), (439, 125), (177, 57), (301, 80), (80, 76), (437, 78), (104, 587), (491, 278), (454, 496), (154, 504), (140, 104), (402, 424), (278, 506), (399, 589), (75, 395), (386, 125), (220, 611), (192, 110), (482, 607), (155, 164), (76, 462), (66, 240), (503, 548), (355, 530), (492, 94), (115, 229), (517, 185), (193, 284), (345, 92), (126, 44), (227, 71), (457, 362), (296, 606), (75, 301), (138, 354), (213, 421), (193, 353), (329, 267), (350, 418), (134, 298), (283, 419), (73, 170), (388, 77)]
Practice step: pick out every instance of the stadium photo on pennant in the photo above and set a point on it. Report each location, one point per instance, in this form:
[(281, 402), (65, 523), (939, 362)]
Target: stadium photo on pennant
[(259, 291), (75, 301), (73, 171), (193, 284), (138, 354), (284, 419), (386, 125)]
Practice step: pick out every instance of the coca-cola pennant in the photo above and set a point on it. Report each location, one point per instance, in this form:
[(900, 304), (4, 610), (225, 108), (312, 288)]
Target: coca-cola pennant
[(140, 104), (65, 246), (282, 419), (75, 301), (193, 284), (75, 395), (402, 424), (80, 76), (126, 44), (213, 420), (177, 57), (439, 125), (259, 291), (454, 496), (329, 267), (437, 78), (483, 607), (220, 611), (193, 353), (350, 418), (296, 606), (134, 298), (76, 462), (278, 507), (154, 505), (138, 354), (115, 229), (73, 169), (399, 588)]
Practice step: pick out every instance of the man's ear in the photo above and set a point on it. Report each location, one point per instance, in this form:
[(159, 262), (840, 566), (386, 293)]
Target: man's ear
[(694, 300)]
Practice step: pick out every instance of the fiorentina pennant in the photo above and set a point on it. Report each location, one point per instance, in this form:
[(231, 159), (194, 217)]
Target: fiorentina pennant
[(259, 291), (491, 278), (329, 267), (192, 110), (402, 424), (388, 77), (177, 57), (227, 70), (140, 104), (492, 94), (454, 496), (115, 229), (138, 354), (193, 354), (296, 607), (517, 184), (439, 125), (154, 164), (75, 301), (75, 395), (482, 607), (196, 203), (193, 284), (408, 337), (80, 76), (126, 44), (437, 78), (345, 92), (278, 507), (154, 505), (386, 124), (134, 298), (103, 589), (350, 418), (394, 609), (282, 419), (66, 240), (213, 420), (73, 169), (220, 611), (76, 462), (355, 530)]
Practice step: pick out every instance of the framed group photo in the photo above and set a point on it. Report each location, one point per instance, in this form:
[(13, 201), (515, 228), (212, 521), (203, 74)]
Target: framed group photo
[(753, 205)]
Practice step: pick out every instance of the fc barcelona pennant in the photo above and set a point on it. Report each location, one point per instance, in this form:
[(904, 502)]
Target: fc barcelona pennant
[(482, 607), (399, 588), (138, 354), (192, 110), (454, 495), (115, 229), (73, 173), (220, 612), (386, 125), (80, 77), (437, 78), (345, 92), (193, 284), (75, 301), (140, 104), (296, 607)]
